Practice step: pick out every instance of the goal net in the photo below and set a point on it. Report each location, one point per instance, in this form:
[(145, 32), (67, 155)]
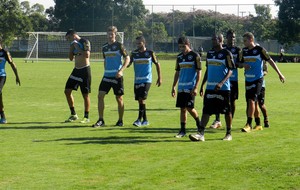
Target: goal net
[(198, 42), (53, 45)]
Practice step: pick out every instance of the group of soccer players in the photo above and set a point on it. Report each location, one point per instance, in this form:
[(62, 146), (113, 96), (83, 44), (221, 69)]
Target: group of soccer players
[(221, 78), (116, 60)]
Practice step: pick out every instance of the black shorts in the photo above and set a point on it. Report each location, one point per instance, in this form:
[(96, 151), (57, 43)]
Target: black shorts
[(141, 90), (2, 82), (253, 89), (111, 82), (216, 102), (234, 90), (80, 77), (185, 100), (261, 96)]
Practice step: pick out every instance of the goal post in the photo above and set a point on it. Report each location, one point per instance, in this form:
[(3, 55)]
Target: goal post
[(53, 45)]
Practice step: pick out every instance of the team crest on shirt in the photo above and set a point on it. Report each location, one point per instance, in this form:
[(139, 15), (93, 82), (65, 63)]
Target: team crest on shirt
[(190, 57), (220, 55), (114, 47), (146, 53), (233, 50), (254, 51)]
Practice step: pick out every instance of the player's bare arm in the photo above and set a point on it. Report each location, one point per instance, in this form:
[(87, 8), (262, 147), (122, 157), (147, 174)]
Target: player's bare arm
[(14, 68), (220, 84), (176, 76), (125, 65), (274, 66), (159, 78)]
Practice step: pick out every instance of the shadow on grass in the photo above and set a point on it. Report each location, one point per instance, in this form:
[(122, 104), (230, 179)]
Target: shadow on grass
[(116, 140), (156, 109), (39, 125)]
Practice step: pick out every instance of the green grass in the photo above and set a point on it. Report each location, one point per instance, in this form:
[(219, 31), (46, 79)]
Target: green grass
[(39, 151)]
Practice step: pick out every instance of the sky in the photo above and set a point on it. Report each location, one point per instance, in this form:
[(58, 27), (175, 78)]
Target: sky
[(223, 6)]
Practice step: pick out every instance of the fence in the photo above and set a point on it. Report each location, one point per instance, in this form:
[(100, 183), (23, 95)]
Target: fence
[(175, 27)]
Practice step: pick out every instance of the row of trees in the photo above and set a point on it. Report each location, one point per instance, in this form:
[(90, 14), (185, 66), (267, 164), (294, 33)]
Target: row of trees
[(132, 17)]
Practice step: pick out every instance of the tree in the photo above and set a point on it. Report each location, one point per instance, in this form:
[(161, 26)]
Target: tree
[(13, 23), (289, 21), (97, 15), (36, 15), (263, 26)]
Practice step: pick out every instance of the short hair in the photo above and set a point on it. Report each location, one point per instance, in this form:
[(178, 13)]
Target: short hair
[(113, 29), (183, 40), (71, 32), (219, 36), (248, 35), (141, 38), (230, 31)]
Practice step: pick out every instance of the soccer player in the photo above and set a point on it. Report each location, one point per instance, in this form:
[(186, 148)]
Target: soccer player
[(252, 61), (237, 56), (187, 75), (143, 59), (81, 75), (234, 87), (113, 52), (5, 57), (261, 102), (219, 63)]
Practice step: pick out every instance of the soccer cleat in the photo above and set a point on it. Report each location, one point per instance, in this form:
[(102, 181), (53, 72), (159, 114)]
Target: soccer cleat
[(216, 124), (3, 121), (247, 128), (227, 137), (266, 124), (85, 120), (145, 123), (258, 128), (180, 134), (72, 118), (137, 123), (197, 137), (99, 123), (119, 123)]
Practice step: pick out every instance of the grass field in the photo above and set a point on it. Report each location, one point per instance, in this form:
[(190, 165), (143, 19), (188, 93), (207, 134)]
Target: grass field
[(39, 151)]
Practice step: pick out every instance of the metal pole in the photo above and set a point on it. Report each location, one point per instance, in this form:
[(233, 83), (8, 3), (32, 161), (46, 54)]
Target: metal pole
[(112, 14), (173, 35), (152, 41)]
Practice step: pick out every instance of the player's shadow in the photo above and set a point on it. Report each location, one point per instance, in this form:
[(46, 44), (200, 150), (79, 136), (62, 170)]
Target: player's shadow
[(114, 140), (153, 109), (37, 126)]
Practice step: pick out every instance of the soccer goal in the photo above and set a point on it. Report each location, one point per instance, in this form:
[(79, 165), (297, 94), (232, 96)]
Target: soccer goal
[(53, 45), (198, 42)]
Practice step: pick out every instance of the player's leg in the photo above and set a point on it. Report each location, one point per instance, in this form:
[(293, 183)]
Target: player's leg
[(103, 89), (85, 88), (118, 88), (72, 84), (86, 99), (70, 100), (181, 102), (225, 108), (263, 107), (141, 114), (200, 135), (193, 112), (257, 117), (208, 109), (119, 99), (2, 115), (141, 93), (217, 122), (100, 122)]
